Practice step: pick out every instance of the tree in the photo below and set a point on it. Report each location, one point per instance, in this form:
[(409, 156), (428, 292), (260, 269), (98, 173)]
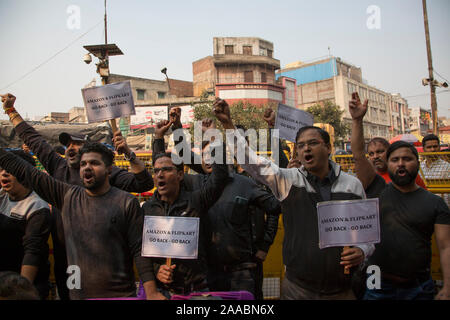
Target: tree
[(246, 114), (332, 114), (243, 113)]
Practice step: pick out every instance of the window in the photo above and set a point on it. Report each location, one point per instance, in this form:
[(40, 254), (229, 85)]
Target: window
[(362, 93), (161, 95), (248, 76), (140, 94), (269, 53), (262, 51), (263, 77), (229, 49), (351, 88), (247, 50)]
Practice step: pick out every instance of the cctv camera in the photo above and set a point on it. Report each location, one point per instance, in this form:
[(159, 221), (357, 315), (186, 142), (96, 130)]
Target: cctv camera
[(87, 58), (425, 81)]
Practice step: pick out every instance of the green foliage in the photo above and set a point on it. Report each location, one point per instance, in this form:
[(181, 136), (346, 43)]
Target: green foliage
[(331, 114), (243, 113)]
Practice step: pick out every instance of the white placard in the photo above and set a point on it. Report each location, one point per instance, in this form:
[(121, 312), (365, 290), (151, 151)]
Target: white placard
[(108, 102), (170, 237), (348, 222), (187, 115), (149, 115), (289, 120)]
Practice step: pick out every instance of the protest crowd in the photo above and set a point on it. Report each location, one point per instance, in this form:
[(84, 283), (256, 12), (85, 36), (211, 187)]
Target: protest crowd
[(105, 242)]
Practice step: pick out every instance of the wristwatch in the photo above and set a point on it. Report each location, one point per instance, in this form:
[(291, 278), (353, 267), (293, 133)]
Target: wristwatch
[(131, 157)]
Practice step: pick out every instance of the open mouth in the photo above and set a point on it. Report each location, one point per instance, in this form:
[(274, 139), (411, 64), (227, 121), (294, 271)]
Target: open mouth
[(72, 154), (308, 158), (161, 184), (401, 172), (5, 183), (88, 177)]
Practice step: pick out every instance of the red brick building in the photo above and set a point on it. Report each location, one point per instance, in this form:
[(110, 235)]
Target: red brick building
[(241, 69)]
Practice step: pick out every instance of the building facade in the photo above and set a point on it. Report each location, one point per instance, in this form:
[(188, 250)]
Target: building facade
[(241, 69), (335, 80)]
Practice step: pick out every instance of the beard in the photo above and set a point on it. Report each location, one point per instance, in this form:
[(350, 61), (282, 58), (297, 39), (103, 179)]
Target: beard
[(96, 182), (407, 179)]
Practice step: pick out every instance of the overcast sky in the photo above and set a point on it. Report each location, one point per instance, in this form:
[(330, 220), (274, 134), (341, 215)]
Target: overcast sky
[(173, 34)]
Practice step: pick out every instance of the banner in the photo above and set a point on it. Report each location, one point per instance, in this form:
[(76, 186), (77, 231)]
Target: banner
[(170, 237), (289, 120), (348, 222), (149, 115), (108, 102), (187, 116)]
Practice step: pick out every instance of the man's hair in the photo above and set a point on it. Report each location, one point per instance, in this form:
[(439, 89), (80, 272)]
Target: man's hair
[(180, 167), (25, 156), (430, 137), (107, 155), (325, 136), (15, 287), (401, 144), (383, 141)]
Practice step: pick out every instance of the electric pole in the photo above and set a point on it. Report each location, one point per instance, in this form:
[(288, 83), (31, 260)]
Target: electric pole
[(430, 71)]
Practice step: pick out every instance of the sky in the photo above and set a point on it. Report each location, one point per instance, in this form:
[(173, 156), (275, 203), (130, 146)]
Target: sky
[(42, 42)]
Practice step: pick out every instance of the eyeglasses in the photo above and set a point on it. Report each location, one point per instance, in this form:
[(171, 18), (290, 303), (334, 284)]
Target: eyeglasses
[(311, 143), (162, 169)]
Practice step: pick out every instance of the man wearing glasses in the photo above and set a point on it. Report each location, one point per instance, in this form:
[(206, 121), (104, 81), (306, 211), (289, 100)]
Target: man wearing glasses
[(170, 199), (311, 273)]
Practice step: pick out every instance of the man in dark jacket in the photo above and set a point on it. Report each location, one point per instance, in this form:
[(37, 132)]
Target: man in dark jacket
[(103, 226), (232, 257), (171, 199), (67, 170)]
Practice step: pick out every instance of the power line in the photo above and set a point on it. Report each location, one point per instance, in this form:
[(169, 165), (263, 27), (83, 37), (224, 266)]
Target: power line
[(52, 57), (426, 94), (440, 75)]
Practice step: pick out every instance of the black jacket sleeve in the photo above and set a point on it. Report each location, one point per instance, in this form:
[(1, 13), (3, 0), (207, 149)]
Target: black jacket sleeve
[(135, 222), (270, 231), (212, 189), (49, 158), (158, 146), (268, 204), (283, 161), (35, 239), (48, 188), (131, 182), (195, 159)]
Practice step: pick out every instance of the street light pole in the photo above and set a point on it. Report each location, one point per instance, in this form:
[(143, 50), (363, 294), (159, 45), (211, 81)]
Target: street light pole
[(430, 70)]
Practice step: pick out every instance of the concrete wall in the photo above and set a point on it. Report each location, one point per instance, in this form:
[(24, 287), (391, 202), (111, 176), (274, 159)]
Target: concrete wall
[(204, 75), (151, 87), (259, 46), (312, 72), (235, 73)]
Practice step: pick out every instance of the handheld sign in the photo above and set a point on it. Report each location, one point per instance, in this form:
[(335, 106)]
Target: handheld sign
[(289, 120), (348, 223), (170, 237), (149, 115), (108, 102)]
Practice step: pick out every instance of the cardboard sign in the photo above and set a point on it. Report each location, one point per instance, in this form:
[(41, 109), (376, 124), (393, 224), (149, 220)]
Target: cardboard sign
[(108, 102), (149, 115), (348, 223), (170, 237), (289, 120), (187, 116)]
